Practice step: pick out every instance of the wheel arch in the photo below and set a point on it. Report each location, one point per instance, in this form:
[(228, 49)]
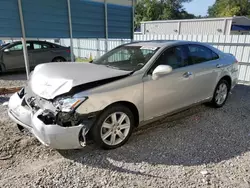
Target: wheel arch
[(57, 57), (129, 105), (228, 79)]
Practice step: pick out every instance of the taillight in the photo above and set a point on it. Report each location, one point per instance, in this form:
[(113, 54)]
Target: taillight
[(68, 50)]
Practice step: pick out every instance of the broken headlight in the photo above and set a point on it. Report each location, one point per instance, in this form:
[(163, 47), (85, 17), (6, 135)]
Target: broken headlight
[(69, 104)]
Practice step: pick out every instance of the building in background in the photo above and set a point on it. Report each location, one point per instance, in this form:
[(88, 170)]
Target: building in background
[(238, 25)]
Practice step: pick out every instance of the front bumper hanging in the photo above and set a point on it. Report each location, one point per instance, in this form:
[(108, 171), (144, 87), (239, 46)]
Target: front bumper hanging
[(52, 135)]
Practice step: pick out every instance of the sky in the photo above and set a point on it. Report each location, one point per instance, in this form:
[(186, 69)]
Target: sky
[(198, 7)]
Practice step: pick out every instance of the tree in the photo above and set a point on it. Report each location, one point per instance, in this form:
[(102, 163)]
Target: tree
[(224, 8), (148, 10)]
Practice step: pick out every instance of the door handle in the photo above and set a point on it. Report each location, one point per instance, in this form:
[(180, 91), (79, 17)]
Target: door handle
[(219, 65), (187, 74)]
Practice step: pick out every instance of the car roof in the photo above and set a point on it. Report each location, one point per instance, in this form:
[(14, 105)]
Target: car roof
[(161, 43), (37, 41), (15, 42)]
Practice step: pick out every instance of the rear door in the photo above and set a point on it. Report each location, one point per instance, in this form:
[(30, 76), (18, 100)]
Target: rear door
[(41, 52), (203, 64), (14, 59)]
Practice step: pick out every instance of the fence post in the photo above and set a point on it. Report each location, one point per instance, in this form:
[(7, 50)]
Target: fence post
[(133, 19), (98, 47), (79, 47), (25, 50), (106, 25), (179, 28), (225, 26), (70, 31)]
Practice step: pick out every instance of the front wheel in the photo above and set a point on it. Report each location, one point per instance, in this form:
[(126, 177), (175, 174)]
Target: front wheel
[(220, 94), (114, 127)]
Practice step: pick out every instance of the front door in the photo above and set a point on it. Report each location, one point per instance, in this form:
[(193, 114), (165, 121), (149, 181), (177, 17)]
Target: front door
[(172, 91), (13, 58)]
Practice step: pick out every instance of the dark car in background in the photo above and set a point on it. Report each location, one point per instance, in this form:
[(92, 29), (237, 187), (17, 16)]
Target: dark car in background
[(11, 55)]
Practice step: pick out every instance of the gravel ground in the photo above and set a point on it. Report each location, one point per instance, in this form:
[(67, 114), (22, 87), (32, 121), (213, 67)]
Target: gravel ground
[(201, 147), (12, 80)]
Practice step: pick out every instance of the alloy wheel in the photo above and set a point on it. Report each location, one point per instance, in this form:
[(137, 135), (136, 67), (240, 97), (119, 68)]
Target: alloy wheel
[(115, 128), (59, 60), (221, 94)]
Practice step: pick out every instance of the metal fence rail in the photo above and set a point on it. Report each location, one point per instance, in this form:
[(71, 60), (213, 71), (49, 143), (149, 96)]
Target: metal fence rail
[(84, 48)]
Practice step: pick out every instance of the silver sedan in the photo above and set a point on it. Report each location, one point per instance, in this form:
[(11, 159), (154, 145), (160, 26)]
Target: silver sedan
[(11, 54), (133, 84)]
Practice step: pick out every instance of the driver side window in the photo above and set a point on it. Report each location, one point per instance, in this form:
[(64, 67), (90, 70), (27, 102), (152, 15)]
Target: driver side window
[(19, 47), (16, 47), (176, 57)]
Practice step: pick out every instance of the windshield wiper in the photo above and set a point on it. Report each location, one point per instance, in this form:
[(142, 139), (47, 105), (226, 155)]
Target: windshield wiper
[(109, 66)]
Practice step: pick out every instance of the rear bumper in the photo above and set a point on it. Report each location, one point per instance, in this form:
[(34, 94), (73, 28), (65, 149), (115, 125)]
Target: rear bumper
[(55, 136)]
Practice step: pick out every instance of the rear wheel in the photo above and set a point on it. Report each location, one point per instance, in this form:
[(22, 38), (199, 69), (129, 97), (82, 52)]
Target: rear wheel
[(114, 127), (58, 59), (221, 94)]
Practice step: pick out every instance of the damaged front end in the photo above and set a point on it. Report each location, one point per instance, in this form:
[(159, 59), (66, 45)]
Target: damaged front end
[(55, 123), (49, 105)]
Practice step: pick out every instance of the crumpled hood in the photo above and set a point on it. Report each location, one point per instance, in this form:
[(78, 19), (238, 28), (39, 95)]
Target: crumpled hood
[(53, 79)]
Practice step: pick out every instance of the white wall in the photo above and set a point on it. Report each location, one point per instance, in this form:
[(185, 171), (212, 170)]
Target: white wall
[(185, 27), (161, 28)]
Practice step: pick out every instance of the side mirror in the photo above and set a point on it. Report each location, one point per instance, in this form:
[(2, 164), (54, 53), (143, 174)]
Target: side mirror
[(161, 70), (6, 50)]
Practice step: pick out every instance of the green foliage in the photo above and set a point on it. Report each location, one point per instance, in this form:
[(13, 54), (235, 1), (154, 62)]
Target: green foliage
[(148, 10), (224, 8)]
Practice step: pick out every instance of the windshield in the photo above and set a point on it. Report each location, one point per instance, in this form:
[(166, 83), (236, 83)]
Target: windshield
[(3, 46), (129, 58)]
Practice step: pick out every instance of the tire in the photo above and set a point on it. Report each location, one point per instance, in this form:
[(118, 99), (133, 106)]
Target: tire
[(2, 68), (58, 59), (110, 134), (20, 128), (219, 101)]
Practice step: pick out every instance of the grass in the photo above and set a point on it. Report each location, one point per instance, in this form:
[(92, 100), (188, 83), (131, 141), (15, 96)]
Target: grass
[(82, 60)]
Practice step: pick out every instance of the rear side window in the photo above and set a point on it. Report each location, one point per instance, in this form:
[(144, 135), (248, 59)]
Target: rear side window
[(199, 54), (45, 45), (38, 46)]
